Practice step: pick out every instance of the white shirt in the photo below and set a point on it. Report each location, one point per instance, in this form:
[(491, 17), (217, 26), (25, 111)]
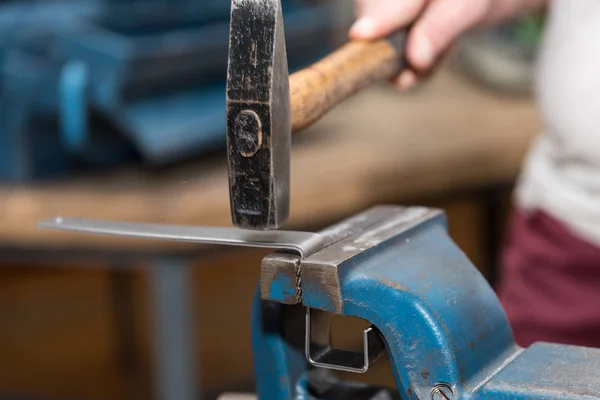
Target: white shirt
[(561, 175)]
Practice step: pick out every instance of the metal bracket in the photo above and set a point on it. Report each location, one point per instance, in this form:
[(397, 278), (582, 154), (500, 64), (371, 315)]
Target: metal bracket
[(303, 243), (320, 354)]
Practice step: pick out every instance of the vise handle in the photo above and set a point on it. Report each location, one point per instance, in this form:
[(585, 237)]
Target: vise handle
[(355, 66)]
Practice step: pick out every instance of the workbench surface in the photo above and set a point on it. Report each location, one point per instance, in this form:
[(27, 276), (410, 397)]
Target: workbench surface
[(380, 146)]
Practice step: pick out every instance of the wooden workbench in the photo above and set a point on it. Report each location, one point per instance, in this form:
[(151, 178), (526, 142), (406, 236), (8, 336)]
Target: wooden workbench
[(377, 147)]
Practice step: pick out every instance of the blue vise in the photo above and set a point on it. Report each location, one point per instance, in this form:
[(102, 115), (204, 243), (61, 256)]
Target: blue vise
[(443, 328)]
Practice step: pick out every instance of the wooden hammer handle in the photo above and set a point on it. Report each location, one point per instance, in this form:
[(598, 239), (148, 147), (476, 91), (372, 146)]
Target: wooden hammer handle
[(358, 64)]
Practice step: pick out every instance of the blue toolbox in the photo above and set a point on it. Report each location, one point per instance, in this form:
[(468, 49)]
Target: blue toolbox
[(97, 83)]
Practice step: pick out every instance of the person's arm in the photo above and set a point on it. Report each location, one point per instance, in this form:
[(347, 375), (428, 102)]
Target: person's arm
[(436, 24)]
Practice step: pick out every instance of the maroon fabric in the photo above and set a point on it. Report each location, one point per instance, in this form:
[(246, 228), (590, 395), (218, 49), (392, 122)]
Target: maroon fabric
[(550, 283)]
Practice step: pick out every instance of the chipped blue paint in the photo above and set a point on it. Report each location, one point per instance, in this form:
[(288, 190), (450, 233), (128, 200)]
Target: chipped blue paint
[(282, 288)]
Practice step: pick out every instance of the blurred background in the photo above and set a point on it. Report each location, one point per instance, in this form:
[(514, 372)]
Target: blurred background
[(115, 109)]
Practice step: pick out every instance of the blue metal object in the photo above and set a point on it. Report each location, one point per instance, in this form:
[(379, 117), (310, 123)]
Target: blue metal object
[(95, 83), (444, 329), (74, 81)]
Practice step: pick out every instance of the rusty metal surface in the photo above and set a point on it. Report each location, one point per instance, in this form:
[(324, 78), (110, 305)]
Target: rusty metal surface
[(258, 116), (321, 272), (282, 274)]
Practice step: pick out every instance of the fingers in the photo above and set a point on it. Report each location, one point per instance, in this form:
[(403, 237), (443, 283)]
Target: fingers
[(436, 25), (406, 80), (441, 23), (378, 18), (411, 77)]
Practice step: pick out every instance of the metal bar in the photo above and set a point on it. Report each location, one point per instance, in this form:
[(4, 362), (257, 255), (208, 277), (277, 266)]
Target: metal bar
[(319, 353), (304, 243), (171, 293)]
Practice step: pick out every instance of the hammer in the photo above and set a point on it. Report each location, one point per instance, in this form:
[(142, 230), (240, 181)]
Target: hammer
[(265, 105)]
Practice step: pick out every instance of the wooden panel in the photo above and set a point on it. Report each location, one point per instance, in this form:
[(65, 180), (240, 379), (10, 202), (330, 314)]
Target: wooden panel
[(226, 287), (55, 334), (465, 223)]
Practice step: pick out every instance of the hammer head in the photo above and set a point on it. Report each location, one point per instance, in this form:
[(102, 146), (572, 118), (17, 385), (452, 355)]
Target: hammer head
[(258, 116)]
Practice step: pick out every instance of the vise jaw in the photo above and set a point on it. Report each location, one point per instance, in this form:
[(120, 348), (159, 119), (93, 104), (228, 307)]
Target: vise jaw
[(320, 273), (444, 330)]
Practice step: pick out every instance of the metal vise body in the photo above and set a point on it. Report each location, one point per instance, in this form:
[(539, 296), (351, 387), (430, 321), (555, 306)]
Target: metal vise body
[(445, 332)]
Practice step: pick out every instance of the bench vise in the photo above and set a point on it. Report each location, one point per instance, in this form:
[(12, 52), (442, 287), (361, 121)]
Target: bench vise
[(441, 324), (445, 332)]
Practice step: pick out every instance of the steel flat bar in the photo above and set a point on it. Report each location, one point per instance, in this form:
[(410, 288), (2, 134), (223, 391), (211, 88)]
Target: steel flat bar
[(304, 243)]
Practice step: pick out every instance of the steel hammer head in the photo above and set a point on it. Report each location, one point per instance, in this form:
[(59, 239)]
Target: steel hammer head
[(258, 116)]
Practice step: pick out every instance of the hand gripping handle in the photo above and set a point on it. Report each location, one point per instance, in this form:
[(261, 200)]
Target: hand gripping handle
[(317, 89)]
